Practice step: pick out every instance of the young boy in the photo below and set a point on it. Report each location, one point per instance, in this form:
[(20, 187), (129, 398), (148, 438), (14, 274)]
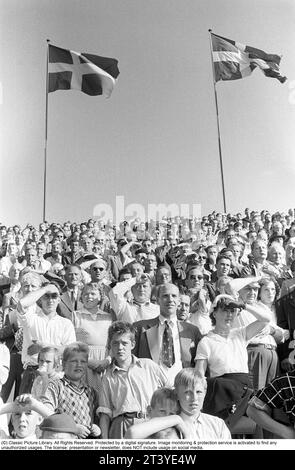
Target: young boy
[(127, 385), (26, 415), (191, 389), (163, 413), (71, 395), (48, 360)]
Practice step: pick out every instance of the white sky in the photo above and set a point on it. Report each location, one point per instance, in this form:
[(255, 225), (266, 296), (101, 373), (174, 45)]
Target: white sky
[(155, 139)]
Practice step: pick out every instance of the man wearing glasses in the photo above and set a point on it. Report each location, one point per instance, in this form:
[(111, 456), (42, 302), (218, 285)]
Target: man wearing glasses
[(44, 327)]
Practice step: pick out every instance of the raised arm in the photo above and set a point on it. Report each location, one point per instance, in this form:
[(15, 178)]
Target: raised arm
[(147, 428), (262, 316), (117, 294), (260, 413), (24, 403), (32, 297)]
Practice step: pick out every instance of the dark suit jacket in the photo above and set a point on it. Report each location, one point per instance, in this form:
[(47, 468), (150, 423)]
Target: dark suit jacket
[(147, 345), (285, 310), (66, 306), (115, 264)]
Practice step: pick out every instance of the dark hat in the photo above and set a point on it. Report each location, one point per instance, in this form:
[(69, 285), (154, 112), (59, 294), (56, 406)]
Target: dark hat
[(139, 251), (52, 278), (226, 302), (59, 422), (122, 242)]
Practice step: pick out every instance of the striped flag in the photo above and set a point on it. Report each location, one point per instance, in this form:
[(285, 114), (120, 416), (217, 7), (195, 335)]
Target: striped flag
[(91, 74), (233, 60)]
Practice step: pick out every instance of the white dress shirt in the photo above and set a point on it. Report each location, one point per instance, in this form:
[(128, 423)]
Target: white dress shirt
[(51, 331)]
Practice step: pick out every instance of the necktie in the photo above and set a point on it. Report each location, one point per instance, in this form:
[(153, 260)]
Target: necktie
[(140, 311), (74, 300), (168, 356)]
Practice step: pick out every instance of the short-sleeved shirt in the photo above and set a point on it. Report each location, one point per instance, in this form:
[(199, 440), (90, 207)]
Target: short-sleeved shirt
[(128, 391), (62, 396), (280, 393), (224, 355)]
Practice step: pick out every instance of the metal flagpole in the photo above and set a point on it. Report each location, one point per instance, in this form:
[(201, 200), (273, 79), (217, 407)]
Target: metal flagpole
[(218, 128), (45, 146)]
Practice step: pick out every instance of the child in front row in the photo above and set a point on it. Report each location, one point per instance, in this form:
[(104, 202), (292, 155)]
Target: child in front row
[(71, 395), (164, 421), (49, 362), (190, 390)]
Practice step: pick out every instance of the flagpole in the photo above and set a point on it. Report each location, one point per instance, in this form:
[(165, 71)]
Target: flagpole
[(218, 127), (45, 146)]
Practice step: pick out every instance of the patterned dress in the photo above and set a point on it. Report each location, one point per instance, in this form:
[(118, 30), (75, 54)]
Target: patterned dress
[(92, 329)]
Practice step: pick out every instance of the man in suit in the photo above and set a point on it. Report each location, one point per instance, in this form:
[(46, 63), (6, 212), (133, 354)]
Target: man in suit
[(170, 343), (70, 298), (288, 285)]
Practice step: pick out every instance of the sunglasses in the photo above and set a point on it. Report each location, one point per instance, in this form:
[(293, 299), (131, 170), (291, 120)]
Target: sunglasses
[(202, 257), (51, 296), (97, 269), (197, 277)]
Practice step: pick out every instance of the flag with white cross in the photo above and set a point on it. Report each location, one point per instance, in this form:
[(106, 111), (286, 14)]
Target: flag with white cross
[(89, 73), (233, 60)]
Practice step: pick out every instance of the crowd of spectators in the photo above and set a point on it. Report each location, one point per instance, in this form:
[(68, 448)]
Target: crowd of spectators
[(96, 319)]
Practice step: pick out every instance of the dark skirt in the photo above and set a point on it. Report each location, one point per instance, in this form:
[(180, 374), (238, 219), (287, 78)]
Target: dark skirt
[(227, 396)]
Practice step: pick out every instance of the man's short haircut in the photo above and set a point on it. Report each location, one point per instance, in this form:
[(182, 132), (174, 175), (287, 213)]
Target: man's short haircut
[(162, 286), (132, 263), (255, 242), (207, 248), (191, 266), (120, 328), (187, 377), (74, 265), (124, 271), (50, 349), (164, 265), (56, 283), (77, 347), (163, 393)]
